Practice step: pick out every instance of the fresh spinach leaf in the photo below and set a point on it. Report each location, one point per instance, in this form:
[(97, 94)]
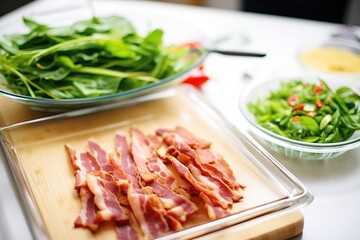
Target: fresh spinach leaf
[(51, 62)]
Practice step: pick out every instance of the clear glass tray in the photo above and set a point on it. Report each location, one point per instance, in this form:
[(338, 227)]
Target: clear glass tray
[(35, 152)]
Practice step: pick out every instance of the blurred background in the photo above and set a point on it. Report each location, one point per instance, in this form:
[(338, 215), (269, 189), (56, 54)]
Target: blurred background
[(336, 11)]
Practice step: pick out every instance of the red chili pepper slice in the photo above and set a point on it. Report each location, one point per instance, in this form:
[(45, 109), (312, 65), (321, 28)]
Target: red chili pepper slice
[(318, 89), (197, 77), (299, 107), (318, 103), (292, 100)]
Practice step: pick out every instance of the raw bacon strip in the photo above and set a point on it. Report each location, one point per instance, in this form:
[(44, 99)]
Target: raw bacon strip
[(126, 161), (114, 187), (126, 168), (214, 185), (178, 206), (214, 212), (157, 166), (218, 166), (222, 171), (146, 207), (89, 164), (126, 232), (167, 178), (108, 181), (141, 156), (152, 222), (88, 210), (109, 207), (164, 175), (99, 154), (130, 231), (204, 175), (73, 157), (173, 223), (83, 164), (201, 143), (213, 195), (144, 152), (120, 179), (153, 141), (206, 155), (182, 135)]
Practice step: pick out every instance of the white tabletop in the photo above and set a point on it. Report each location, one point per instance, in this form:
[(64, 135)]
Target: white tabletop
[(335, 183)]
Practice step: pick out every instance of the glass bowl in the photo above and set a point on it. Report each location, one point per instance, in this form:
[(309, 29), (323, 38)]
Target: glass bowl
[(260, 89), (176, 32), (331, 60)]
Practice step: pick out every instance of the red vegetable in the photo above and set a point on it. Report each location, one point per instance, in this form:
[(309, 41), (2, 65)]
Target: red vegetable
[(318, 88), (299, 107), (318, 103), (197, 77), (292, 100)]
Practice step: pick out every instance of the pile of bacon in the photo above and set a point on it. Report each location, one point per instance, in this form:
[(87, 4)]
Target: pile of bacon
[(146, 187)]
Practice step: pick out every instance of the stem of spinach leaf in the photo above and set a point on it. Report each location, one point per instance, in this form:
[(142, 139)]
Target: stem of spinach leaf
[(27, 82), (111, 73), (24, 79)]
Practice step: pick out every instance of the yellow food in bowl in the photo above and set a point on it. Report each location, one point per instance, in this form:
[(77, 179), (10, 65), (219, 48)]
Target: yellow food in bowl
[(331, 59)]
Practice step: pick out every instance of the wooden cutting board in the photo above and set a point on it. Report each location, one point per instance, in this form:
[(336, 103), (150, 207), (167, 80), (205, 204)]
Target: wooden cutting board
[(278, 226)]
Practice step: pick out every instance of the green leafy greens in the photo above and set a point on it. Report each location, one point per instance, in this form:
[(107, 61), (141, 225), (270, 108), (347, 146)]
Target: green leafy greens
[(309, 112), (90, 58)]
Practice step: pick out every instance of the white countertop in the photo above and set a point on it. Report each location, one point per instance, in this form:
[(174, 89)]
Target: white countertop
[(335, 183)]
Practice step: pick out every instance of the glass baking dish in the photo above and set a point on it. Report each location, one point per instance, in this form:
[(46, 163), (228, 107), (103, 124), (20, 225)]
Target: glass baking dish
[(36, 155)]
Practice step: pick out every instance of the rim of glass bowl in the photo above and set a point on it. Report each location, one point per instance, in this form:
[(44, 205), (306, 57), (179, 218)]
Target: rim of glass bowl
[(288, 142), (344, 44)]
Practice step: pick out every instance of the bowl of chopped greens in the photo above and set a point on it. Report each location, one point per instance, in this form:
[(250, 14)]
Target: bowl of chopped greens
[(303, 116), (90, 61)]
